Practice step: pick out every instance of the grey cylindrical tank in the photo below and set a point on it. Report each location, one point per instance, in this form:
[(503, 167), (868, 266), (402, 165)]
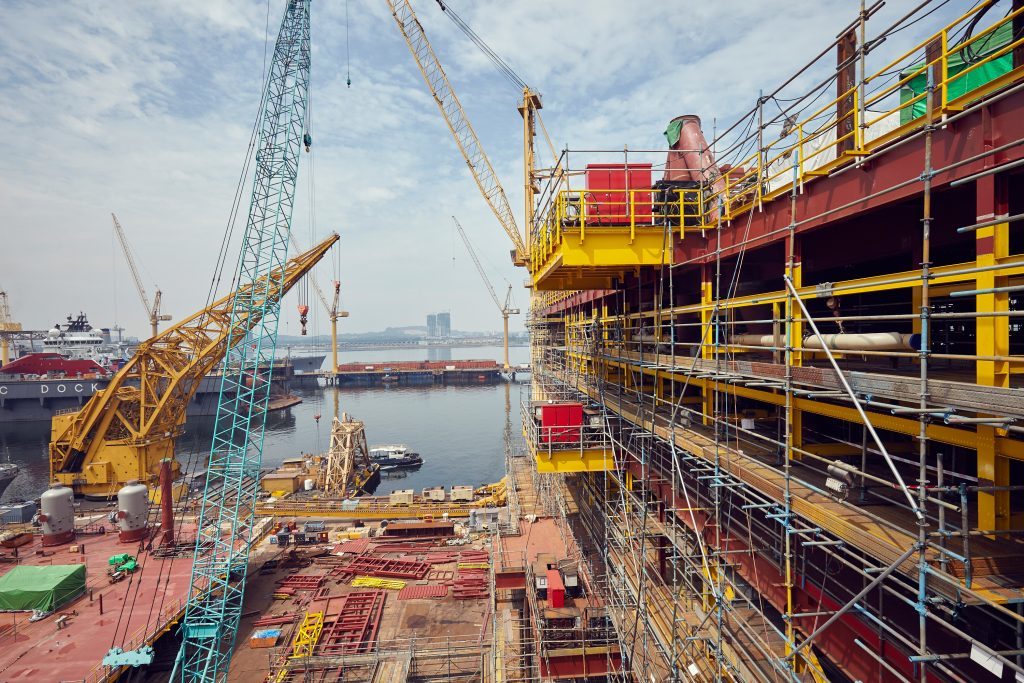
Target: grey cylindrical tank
[(57, 514), (132, 511)]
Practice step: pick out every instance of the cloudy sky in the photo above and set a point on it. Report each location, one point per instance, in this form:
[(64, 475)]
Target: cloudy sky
[(144, 109)]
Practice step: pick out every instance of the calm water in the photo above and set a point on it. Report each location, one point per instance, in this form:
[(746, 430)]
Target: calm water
[(457, 429)]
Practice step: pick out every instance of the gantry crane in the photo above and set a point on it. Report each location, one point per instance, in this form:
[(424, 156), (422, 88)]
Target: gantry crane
[(6, 325), (225, 524), (462, 130), (152, 310), (125, 430), (505, 309)]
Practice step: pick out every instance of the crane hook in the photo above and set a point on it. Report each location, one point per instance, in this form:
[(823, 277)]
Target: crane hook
[(307, 140)]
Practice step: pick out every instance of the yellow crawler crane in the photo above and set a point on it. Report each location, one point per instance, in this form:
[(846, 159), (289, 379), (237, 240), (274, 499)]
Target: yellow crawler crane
[(125, 430)]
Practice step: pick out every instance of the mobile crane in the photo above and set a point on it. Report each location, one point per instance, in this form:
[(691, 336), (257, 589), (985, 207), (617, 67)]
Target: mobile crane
[(225, 524)]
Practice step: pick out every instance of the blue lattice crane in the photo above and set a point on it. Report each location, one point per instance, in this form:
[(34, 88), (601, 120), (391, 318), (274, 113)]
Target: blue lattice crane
[(225, 522)]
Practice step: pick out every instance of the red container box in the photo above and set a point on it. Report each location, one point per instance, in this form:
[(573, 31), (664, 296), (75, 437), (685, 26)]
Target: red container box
[(560, 422), (608, 194), (556, 590)]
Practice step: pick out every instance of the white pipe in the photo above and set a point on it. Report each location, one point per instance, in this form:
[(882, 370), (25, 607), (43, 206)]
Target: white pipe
[(869, 341)]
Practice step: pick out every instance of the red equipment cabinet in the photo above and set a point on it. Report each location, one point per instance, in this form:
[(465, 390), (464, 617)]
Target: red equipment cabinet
[(560, 422), (556, 590), (608, 194)]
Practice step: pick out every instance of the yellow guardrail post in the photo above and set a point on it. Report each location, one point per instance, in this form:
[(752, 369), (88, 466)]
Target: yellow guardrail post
[(631, 207), (943, 71), (583, 215), (682, 214)]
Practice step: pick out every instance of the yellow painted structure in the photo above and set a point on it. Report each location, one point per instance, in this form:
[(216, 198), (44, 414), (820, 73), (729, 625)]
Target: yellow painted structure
[(124, 431), (308, 635), (575, 460)]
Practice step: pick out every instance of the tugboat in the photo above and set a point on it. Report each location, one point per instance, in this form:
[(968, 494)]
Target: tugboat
[(395, 457)]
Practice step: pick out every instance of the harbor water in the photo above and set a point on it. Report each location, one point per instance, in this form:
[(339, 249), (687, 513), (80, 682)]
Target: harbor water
[(459, 430)]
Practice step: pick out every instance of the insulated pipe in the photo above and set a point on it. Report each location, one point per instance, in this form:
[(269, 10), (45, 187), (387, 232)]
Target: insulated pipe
[(868, 341)]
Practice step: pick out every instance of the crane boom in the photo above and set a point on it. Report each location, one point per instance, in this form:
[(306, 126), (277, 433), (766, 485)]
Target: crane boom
[(458, 123), (123, 239), (505, 309), (225, 524), (152, 311), (124, 430), (479, 267)]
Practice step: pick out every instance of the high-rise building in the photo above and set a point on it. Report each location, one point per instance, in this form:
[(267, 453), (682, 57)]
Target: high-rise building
[(444, 325), (432, 325)]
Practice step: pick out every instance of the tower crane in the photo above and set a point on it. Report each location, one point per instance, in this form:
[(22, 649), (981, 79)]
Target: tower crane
[(6, 325), (225, 524), (461, 128), (153, 311), (506, 308)]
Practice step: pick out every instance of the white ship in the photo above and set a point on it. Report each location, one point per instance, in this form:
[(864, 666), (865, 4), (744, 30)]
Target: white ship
[(78, 340)]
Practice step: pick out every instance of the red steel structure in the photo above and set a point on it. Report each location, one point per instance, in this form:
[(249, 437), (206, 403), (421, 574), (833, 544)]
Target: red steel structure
[(814, 397)]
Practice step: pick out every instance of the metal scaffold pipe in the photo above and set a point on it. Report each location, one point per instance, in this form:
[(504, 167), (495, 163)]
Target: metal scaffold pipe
[(856, 402)]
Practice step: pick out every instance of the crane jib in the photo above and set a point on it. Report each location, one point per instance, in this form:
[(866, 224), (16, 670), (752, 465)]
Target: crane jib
[(225, 526)]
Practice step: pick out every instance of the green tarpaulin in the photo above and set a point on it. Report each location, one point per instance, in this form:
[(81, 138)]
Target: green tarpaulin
[(989, 71), (672, 132), (41, 588)]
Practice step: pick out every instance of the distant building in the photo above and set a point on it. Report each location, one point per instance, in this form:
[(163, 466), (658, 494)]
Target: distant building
[(444, 325), (432, 325)]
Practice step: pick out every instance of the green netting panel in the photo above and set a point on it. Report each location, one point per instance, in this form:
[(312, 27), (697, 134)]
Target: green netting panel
[(672, 132), (41, 588), (975, 78)]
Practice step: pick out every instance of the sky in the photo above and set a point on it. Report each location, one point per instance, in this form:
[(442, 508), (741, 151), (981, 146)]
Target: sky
[(144, 109)]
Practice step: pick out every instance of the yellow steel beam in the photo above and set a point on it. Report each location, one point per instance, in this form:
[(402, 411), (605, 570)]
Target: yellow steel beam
[(605, 248), (574, 460), (1009, 448), (320, 509)]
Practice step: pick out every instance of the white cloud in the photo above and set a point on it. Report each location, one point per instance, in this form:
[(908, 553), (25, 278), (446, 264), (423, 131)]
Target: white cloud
[(145, 108)]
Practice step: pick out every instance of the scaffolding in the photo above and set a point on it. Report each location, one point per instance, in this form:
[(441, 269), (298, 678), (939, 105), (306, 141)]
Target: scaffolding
[(814, 467)]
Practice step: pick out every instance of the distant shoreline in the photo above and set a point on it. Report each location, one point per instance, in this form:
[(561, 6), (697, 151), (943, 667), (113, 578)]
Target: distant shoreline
[(389, 346)]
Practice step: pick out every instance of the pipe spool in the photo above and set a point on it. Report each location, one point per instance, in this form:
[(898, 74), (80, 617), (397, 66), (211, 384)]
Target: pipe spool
[(864, 341)]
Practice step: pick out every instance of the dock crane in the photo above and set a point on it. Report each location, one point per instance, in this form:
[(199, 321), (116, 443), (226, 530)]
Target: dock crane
[(505, 309), (462, 130), (225, 523), (125, 430), (153, 311)]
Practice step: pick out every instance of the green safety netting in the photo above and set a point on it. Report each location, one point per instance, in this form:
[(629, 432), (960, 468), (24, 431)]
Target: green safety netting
[(41, 588), (956, 63)]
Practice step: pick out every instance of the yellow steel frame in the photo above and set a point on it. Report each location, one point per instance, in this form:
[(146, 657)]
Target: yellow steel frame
[(308, 635), (766, 174), (575, 460), (124, 431)]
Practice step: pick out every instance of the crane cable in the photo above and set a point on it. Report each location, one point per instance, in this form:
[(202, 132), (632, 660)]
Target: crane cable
[(348, 55), (159, 596), (503, 68)]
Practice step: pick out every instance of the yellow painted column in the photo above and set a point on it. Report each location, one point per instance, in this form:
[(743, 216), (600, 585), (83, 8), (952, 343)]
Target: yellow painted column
[(707, 340), (992, 339)]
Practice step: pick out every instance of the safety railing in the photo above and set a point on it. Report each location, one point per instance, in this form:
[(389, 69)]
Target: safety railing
[(577, 211), (557, 439), (944, 74)]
